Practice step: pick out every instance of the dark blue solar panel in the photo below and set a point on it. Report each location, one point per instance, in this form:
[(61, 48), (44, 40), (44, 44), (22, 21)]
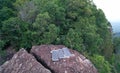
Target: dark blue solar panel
[(60, 53), (66, 52), (55, 55)]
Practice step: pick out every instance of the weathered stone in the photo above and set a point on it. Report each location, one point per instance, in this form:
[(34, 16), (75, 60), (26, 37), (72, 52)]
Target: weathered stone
[(75, 64), (22, 62)]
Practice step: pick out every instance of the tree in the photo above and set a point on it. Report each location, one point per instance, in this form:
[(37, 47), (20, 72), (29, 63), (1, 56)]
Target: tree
[(116, 44), (12, 29), (43, 29), (6, 3), (5, 13), (78, 24), (73, 40), (101, 64), (50, 35), (105, 33), (27, 10)]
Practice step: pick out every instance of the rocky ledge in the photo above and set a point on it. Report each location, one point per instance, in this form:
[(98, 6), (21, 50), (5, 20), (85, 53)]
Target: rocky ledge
[(40, 61), (23, 62)]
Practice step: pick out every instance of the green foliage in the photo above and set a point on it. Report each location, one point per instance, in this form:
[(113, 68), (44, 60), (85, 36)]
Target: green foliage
[(117, 63), (50, 35), (116, 43), (105, 33), (13, 30), (42, 21), (6, 3), (6, 13), (78, 24), (27, 10), (2, 55), (74, 40), (101, 64), (42, 28), (2, 44)]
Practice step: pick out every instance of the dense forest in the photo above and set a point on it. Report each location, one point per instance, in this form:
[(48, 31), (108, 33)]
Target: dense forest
[(77, 24)]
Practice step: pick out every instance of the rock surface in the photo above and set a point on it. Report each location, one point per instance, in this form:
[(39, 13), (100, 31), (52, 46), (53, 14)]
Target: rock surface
[(75, 64), (22, 62)]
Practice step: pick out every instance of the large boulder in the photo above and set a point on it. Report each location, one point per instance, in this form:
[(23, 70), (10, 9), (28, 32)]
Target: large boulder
[(22, 62), (76, 63)]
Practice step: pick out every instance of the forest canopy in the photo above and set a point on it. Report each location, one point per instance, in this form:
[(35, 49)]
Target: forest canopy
[(77, 24)]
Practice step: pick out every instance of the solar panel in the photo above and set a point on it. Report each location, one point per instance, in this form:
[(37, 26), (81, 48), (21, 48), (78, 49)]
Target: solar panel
[(60, 53), (55, 55), (66, 52)]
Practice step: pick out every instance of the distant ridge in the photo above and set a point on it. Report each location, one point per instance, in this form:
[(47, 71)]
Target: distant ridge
[(116, 27), (116, 34)]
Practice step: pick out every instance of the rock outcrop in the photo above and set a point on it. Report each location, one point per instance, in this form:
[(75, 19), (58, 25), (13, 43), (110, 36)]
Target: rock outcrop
[(48, 59), (74, 64), (23, 62)]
